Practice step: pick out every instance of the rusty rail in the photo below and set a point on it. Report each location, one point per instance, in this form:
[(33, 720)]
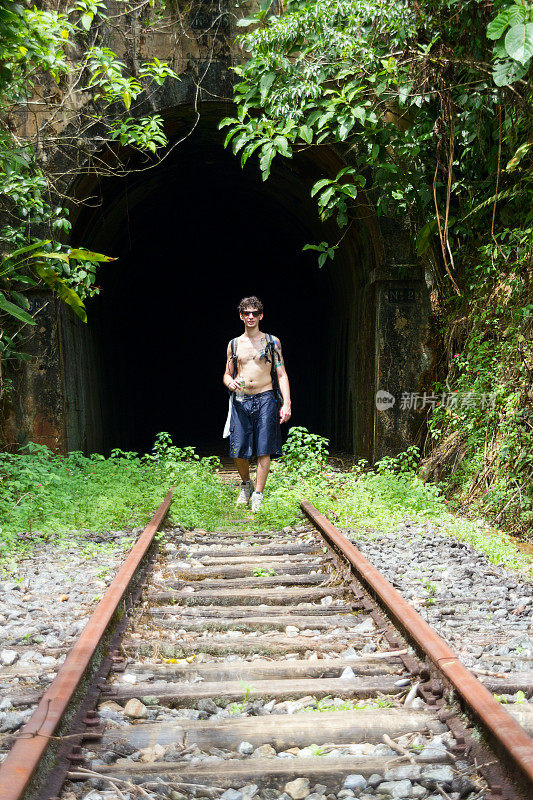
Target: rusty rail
[(502, 728), (23, 759)]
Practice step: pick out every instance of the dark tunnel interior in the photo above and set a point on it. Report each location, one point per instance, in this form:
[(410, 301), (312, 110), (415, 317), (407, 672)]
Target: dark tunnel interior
[(192, 236)]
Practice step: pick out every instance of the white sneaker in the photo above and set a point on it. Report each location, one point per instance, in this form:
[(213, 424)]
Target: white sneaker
[(257, 499), (245, 493)]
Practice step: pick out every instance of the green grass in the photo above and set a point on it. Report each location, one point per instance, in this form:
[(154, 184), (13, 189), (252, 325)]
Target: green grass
[(50, 495)]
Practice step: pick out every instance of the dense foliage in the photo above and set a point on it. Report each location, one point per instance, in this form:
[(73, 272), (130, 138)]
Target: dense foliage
[(63, 95), (431, 105)]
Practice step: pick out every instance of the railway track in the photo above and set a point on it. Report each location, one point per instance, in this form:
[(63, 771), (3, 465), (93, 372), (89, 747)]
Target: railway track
[(265, 665)]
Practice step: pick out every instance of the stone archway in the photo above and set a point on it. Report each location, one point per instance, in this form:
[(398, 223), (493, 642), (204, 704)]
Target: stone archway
[(194, 234)]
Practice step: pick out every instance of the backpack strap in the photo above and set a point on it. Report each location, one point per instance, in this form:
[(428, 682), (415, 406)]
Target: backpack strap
[(271, 346), (234, 356)]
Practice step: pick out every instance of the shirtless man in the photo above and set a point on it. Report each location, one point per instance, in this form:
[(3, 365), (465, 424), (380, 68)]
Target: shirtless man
[(256, 420)]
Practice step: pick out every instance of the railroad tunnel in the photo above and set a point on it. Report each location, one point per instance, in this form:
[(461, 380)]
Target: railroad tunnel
[(192, 236)]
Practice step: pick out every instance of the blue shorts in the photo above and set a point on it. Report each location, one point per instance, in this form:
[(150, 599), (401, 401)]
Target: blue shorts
[(255, 427)]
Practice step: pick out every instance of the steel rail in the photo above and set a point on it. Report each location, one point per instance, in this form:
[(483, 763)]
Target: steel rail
[(23, 759), (508, 734)]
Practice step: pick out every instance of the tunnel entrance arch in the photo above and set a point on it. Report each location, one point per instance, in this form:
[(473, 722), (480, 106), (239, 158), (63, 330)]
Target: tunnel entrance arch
[(192, 236)]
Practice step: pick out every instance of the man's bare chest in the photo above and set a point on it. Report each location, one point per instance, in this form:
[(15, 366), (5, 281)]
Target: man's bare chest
[(255, 351)]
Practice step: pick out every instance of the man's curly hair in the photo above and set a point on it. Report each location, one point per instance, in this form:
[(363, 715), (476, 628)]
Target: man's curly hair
[(250, 302)]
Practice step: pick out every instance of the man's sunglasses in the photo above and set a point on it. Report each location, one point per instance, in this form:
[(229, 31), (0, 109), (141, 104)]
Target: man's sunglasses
[(247, 313)]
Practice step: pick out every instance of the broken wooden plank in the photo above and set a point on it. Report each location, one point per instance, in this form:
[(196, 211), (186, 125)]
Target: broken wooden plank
[(237, 612)]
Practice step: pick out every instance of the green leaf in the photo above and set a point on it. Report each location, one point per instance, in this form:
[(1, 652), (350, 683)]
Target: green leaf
[(326, 196), (86, 20), (498, 25), (267, 154), (15, 311), (80, 254), (226, 121), (518, 156), (267, 79), (350, 190), (60, 287), (345, 127), (320, 185), (506, 72), (519, 42), (28, 248), (126, 96), (306, 133), (21, 299), (359, 113), (282, 146), (425, 234)]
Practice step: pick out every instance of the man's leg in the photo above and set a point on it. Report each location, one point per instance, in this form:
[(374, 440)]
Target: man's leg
[(263, 467), (243, 468)]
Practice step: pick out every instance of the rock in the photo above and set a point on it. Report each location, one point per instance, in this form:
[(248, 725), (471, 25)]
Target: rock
[(375, 780), (150, 754), (123, 748), (294, 706), (175, 795), (249, 791), (264, 751), (245, 749), (395, 789), (8, 657), (315, 796), (13, 720), (110, 705), (462, 785), (410, 772), (418, 791), (345, 793), (297, 789), (206, 704), (442, 774), (350, 654), (347, 674), (231, 794), (128, 677), (134, 709), (291, 630), (355, 782)]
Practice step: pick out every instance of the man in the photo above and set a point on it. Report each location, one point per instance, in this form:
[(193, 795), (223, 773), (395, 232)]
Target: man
[(255, 421)]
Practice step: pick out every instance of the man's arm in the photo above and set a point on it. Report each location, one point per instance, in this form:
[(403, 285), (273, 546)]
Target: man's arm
[(283, 380), (228, 379)]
